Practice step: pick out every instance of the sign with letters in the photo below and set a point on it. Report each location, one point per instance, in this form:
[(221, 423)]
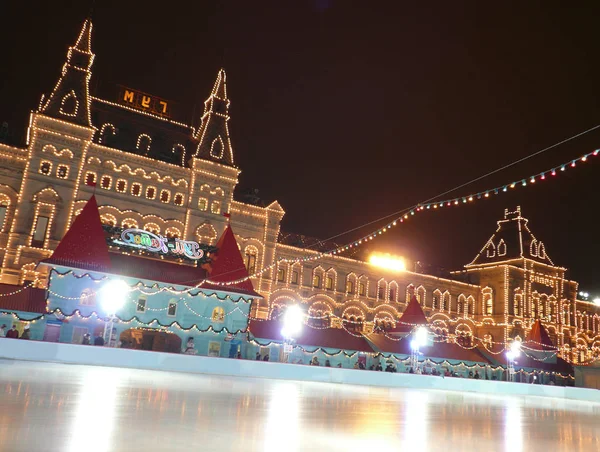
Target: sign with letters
[(142, 101), (158, 244)]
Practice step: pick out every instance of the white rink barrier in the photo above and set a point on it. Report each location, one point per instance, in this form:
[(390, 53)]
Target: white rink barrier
[(116, 357)]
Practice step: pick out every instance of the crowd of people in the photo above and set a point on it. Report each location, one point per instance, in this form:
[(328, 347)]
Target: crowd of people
[(13, 333)]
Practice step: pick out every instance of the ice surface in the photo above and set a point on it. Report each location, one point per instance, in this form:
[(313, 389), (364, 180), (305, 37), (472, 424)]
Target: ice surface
[(57, 407)]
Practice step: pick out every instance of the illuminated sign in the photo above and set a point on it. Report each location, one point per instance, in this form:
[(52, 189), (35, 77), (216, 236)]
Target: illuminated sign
[(142, 101), (156, 243)]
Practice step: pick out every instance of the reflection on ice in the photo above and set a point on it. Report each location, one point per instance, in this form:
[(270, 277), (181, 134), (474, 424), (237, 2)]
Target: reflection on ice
[(94, 417), (54, 407)]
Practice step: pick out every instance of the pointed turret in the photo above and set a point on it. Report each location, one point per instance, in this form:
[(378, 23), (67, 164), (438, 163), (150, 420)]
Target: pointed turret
[(213, 135), (512, 240), (84, 245), (412, 316), (70, 99), (228, 268)]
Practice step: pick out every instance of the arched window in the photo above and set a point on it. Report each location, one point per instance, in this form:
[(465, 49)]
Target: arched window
[(436, 300), (129, 223), (143, 143), (217, 148), (251, 254), (393, 292), (173, 232), (152, 227), (317, 281), (329, 282), (179, 149), (106, 132), (518, 302), (218, 314), (350, 287), (203, 204), (281, 275), (69, 105), (421, 295), (488, 301), (533, 248), (4, 205), (501, 248), (108, 219), (206, 233), (490, 250), (215, 207), (461, 305), (446, 302)]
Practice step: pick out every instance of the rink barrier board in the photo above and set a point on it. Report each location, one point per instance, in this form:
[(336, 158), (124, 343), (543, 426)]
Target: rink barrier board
[(114, 357)]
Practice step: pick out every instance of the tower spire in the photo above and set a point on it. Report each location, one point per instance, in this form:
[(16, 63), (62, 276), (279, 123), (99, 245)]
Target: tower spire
[(213, 134), (70, 99)]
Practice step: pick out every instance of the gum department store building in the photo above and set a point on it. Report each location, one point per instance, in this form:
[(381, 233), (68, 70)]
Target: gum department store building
[(178, 180)]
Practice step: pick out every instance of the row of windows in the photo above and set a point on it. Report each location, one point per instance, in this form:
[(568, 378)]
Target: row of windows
[(136, 189), (62, 171), (88, 298)]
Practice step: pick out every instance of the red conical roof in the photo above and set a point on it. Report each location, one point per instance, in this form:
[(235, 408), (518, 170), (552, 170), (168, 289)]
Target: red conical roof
[(84, 244), (412, 315), (228, 265), (539, 338)]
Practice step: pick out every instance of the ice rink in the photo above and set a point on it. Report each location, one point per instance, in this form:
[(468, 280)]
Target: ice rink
[(57, 407)]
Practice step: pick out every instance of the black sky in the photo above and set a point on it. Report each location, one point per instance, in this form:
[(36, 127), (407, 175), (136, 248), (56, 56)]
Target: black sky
[(346, 111)]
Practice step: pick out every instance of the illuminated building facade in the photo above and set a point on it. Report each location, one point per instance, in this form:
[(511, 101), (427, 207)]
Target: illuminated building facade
[(174, 179)]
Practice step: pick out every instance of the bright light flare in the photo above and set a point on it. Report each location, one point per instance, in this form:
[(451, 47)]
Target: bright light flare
[(597, 301), (387, 261), (515, 348), (420, 337), (113, 295), (293, 319)]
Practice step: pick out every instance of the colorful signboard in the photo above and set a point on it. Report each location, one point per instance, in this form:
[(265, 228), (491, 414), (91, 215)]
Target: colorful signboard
[(142, 101), (156, 243)]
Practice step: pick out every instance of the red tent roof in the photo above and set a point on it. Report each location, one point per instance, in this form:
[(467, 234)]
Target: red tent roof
[(84, 245), (335, 338), (412, 315), (228, 265), (539, 339), (442, 350), (27, 299)]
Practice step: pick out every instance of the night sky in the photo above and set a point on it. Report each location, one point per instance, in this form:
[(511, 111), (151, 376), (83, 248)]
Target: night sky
[(347, 111)]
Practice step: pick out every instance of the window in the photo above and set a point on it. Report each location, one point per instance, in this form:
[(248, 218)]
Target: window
[(90, 178), (349, 286), (172, 308), (62, 172), (203, 204), (392, 295), (78, 333), (87, 298), (121, 186), (3, 209), (165, 196), (295, 276), (362, 289), (329, 283), (317, 281), (45, 168), (251, 261), (136, 189), (106, 182), (218, 314), (141, 305), (281, 275), (39, 232), (150, 192), (215, 207), (178, 199), (381, 293), (435, 302), (214, 349)]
